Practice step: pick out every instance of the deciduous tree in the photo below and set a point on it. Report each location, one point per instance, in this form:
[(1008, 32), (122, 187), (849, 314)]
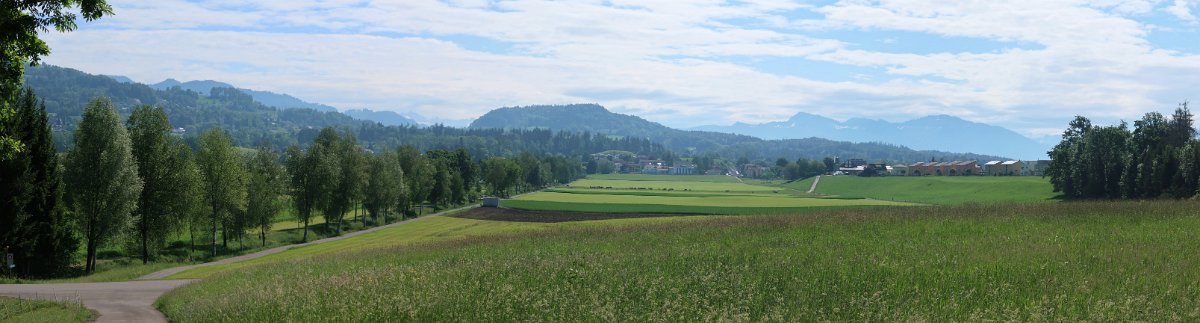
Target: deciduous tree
[(101, 177)]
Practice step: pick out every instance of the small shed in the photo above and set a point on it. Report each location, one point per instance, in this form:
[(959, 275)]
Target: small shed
[(491, 201)]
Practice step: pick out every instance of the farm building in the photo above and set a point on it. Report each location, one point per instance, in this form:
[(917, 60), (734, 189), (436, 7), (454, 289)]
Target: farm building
[(683, 170), (1002, 168), (751, 170), (899, 170), (491, 201), (951, 168)]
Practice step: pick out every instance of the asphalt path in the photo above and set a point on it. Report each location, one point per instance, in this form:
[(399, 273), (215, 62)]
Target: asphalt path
[(133, 301)]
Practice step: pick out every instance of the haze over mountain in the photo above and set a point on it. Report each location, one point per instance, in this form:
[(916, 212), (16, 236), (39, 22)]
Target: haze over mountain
[(282, 101), (596, 119), (387, 118), (937, 132)]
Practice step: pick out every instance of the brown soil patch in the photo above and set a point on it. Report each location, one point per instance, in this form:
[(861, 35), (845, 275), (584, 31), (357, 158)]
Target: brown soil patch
[(515, 215)]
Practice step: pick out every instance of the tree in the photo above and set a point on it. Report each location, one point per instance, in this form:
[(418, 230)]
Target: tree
[(312, 174), (23, 20), (101, 177), (163, 205), (222, 171), (348, 186), (33, 223), (418, 174), (263, 190), (385, 186), (500, 174)]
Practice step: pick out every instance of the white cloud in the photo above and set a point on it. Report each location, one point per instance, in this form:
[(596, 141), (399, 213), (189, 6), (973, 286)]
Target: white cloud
[(1182, 10), (665, 59)]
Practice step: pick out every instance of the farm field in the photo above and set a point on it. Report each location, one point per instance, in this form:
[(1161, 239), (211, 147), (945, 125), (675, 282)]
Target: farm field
[(35, 311), (1093, 261), (425, 230), (672, 194), (941, 190)]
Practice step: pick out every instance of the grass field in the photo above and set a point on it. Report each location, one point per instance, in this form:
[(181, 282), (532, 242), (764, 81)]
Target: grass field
[(1092, 261), (941, 190), (36, 311), (673, 194)]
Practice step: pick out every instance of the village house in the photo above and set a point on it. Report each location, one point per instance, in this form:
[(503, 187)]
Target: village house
[(1002, 168)]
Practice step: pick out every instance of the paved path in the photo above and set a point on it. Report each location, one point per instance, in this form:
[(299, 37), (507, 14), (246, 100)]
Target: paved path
[(813, 188), (133, 301)]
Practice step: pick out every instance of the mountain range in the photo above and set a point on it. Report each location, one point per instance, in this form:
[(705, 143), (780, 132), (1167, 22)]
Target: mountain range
[(805, 135), (938, 132), (596, 119)]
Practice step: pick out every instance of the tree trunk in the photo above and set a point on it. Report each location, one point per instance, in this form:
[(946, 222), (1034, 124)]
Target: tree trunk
[(225, 236), (145, 244), (90, 265), (305, 239)]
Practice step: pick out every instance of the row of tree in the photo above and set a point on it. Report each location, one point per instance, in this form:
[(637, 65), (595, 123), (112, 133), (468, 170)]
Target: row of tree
[(138, 184), (1159, 157)]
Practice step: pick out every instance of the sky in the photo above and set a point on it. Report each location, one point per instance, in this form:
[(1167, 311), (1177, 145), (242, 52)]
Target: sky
[(1029, 66)]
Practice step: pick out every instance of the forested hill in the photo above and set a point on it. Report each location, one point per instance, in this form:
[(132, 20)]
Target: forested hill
[(250, 123), (282, 101), (596, 119)]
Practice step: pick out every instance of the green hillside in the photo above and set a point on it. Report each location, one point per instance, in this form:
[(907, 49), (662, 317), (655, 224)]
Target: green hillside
[(942, 190), (1090, 261)]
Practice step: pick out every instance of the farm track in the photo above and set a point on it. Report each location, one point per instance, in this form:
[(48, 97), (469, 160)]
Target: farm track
[(133, 301), (813, 188)]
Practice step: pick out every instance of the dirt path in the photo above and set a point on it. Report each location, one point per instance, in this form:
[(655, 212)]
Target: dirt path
[(813, 188), (133, 301)]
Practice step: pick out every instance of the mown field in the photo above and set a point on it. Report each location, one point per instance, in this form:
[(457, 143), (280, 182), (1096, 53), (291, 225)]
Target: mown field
[(35, 311), (672, 194), (1093, 261), (941, 190)]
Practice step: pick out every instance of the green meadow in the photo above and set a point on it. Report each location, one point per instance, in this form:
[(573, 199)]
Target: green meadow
[(1079, 261), (940, 190), (35, 311), (674, 194)]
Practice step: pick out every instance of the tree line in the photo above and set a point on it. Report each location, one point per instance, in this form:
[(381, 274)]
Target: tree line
[(1158, 158), (135, 184)]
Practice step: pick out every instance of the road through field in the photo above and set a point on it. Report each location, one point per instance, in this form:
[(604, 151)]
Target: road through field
[(133, 301), (813, 188)]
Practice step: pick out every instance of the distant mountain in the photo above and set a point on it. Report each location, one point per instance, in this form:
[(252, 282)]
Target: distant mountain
[(387, 118), (282, 101), (120, 78), (428, 120), (596, 119), (939, 132)]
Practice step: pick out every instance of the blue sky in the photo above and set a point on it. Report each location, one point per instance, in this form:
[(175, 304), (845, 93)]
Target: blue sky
[(1025, 65)]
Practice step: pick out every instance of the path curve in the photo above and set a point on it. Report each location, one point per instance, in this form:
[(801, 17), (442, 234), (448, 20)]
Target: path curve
[(133, 301), (813, 188)]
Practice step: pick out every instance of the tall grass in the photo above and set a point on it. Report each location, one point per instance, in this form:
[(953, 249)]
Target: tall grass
[(34, 311), (1096, 261)]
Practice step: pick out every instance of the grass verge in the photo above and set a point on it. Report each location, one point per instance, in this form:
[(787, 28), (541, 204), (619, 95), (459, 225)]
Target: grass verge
[(35, 311)]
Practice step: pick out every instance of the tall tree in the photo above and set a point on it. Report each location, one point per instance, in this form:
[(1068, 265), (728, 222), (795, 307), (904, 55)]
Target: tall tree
[(418, 174), (385, 186), (23, 20), (164, 202), (313, 173), (101, 177), (32, 222), (222, 171), (350, 179), (264, 189)]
